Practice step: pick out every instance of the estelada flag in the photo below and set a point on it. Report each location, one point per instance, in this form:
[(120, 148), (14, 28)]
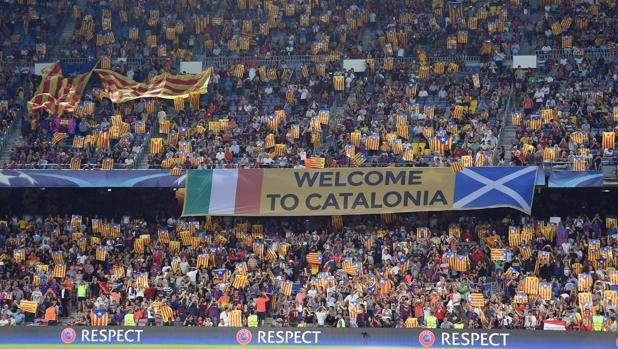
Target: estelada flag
[(167, 314), (520, 298), (609, 140), (545, 291), (454, 230), (516, 118), (221, 274), (422, 232), (156, 145), (202, 261), (99, 317), (315, 162), (141, 280), (384, 285), (531, 285), (460, 263), (57, 257), (173, 246), (240, 281), (337, 222), (358, 159), (457, 166), (579, 163), (101, 253), (373, 142), (525, 251), (118, 271), (107, 164), (610, 298), (585, 302), (584, 282), (258, 248), (286, 288), (58, 94), (138, 245), (75, 164), (314, 258), (60, 271)]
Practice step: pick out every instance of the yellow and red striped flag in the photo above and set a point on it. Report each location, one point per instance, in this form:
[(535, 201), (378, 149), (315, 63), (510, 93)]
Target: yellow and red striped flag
[(525, 252), (121, 89), (315, 162), (531, 285), (28, 306), (240, 281), (610, 297), (454, 230), (460, 263), (202, 261), (498, 254), (99, 317), (58, 94), (118, 271), (286, 288), (584, 282), (138, 245), (545, 291), (58, 137), (423, 233), (314, 258), (101, 253), (520, 298), (57, 257), (609, 139), (141, 280), (60, 271), (476, 300), (584, 300), (167, 314)]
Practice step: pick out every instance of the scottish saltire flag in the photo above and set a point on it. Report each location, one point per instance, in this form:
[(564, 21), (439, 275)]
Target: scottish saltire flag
[(482, 187)]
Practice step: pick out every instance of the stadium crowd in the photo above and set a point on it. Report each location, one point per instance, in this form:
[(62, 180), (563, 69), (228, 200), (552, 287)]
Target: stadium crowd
[(185, 29), (567, 114), (415, 103), (445, 270)]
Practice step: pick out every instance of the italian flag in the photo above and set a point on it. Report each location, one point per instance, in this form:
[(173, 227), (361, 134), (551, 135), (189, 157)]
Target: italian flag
[(224, 192)]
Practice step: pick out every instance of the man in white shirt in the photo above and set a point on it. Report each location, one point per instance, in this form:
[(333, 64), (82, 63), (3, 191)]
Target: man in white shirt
[(224, 318)]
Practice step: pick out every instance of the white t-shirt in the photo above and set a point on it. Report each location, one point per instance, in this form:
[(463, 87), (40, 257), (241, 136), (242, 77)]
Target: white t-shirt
[(224, 319)]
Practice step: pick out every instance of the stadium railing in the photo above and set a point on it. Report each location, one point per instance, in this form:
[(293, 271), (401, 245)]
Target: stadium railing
[(270, 60), (563, 53)]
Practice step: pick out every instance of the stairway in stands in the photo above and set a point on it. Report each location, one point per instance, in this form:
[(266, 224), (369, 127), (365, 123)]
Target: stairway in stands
[(11, 138), (508, 134), (66, 34)]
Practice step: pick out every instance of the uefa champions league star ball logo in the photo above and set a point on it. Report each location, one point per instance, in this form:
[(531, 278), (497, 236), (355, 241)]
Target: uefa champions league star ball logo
[(243, 337), (426, 338), (68, 335)]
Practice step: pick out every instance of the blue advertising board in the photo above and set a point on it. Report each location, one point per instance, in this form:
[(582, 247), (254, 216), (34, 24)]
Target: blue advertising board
[(224, 337), (575, 179), (90, 179)]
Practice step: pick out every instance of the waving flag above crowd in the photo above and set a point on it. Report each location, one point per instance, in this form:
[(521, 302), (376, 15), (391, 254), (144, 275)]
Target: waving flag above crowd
[(61, 88), (120, 88)]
